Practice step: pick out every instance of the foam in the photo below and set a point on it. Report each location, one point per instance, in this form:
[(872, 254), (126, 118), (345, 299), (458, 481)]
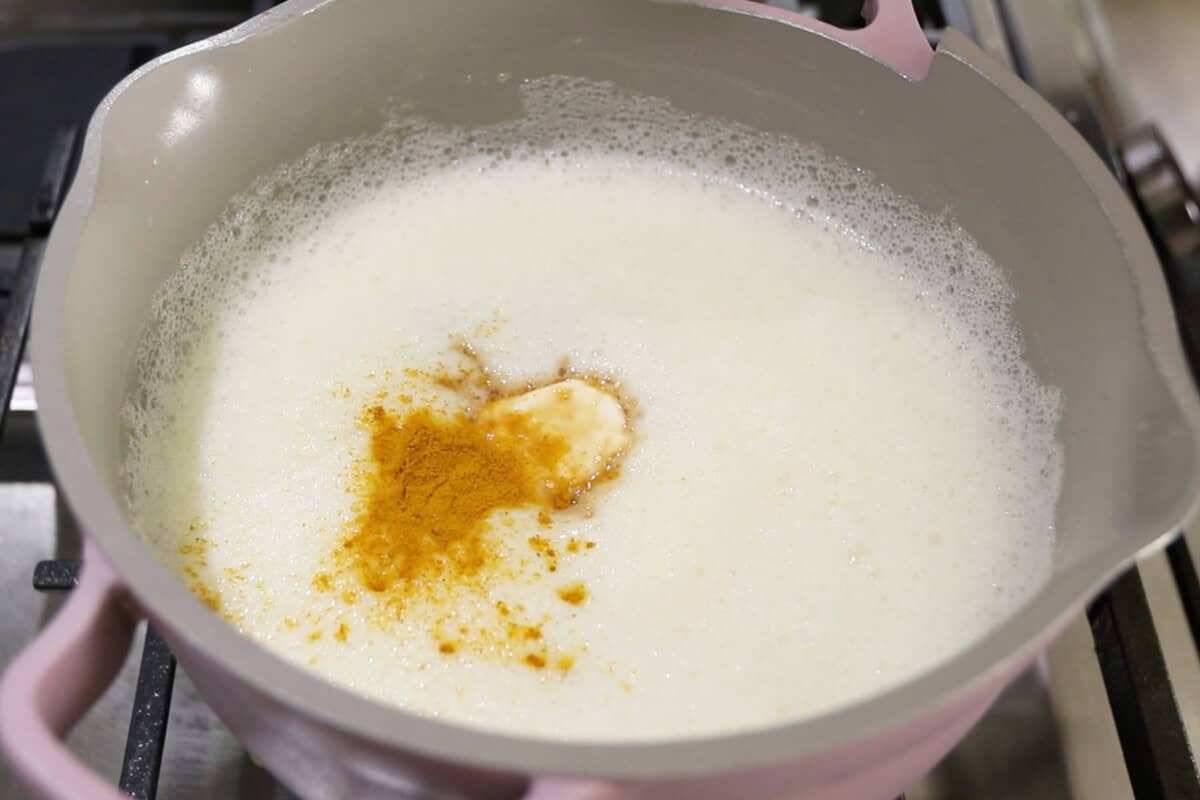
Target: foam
[(969, 519)]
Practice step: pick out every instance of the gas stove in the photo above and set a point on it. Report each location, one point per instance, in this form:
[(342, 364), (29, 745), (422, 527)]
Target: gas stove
[(1111, 712)]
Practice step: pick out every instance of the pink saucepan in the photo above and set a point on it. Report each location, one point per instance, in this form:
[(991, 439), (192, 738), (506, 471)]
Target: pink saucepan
[(951, 129)]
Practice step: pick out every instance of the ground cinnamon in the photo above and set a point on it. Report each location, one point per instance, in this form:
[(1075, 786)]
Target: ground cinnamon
[(432, 484), (429, 491)]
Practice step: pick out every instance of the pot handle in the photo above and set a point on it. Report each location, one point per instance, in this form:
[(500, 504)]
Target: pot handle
[(57, 678), (892, 35)]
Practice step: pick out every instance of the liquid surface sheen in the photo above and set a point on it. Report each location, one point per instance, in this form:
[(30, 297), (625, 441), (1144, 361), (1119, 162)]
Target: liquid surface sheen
[(825, 470)]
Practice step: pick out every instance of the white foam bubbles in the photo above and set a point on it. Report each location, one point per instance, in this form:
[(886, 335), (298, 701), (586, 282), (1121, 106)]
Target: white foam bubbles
[(893, 451)]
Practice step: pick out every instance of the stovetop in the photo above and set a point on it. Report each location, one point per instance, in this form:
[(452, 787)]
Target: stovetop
[(1111, 712)]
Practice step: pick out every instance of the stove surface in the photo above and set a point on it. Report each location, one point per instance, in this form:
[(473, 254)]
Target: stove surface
[(1111, 712)]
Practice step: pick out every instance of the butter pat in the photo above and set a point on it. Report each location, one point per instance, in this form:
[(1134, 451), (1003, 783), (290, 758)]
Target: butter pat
[(584, 425)]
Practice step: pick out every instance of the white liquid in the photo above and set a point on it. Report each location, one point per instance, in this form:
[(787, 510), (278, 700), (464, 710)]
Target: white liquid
[(837, 482)]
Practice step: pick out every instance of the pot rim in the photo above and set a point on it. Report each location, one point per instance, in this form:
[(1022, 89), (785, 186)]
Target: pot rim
[(1008, 647)]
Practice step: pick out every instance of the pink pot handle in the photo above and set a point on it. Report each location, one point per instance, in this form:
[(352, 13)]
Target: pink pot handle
[(58, 677), (892, 35)]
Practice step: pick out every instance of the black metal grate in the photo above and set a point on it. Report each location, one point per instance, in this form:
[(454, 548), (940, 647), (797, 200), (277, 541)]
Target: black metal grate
[(152, 700)]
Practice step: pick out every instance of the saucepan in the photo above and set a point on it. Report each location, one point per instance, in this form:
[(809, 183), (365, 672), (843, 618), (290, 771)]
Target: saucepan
[(951, 129)]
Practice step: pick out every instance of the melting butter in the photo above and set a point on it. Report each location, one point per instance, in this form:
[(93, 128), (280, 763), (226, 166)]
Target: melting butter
[(589, 423)]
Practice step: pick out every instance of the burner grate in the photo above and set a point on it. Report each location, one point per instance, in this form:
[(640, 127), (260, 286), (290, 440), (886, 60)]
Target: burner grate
[(151, 703)]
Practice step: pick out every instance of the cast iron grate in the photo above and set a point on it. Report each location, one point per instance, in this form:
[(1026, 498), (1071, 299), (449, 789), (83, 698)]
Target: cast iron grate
[(152, 699)]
